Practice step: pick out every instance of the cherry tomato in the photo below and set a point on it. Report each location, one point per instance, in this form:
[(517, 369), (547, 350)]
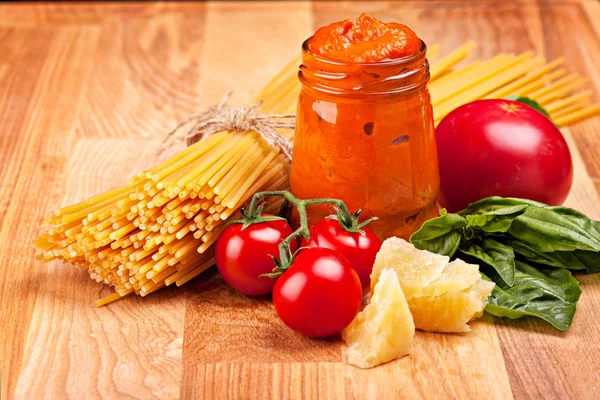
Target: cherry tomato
[(319, 295), (359, 249), (503, 148), (242, 255)]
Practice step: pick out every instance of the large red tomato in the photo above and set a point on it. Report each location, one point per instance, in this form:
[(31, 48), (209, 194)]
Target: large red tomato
[(359, 248), (242, 255), (319, 295), (502, 148)]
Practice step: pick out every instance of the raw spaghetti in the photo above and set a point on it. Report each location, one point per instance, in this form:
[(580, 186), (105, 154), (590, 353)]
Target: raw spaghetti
[(159, 229)]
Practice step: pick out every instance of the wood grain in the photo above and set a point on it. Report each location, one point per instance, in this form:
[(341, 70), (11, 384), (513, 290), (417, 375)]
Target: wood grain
[(34, 131), (136, 343), (250, 333), (86, 91), (561, 26)]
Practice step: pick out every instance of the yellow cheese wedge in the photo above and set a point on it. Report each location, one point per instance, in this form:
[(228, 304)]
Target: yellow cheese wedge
[(456, 276), (451, 311), (442, 296), (384, 330), (416, 268)]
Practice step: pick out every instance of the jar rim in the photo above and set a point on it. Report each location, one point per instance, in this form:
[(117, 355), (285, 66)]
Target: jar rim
[(384, 63), (390, 77)]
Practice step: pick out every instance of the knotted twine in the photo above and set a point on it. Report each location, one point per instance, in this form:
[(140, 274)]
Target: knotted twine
[(233, 119)]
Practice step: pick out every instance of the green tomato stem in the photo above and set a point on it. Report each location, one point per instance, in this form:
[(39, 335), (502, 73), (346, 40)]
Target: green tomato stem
[(285, 254)]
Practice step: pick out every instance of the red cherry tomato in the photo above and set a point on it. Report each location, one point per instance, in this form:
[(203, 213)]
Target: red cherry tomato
[(502, 148), (319, 295), (359, 249), (243, 255)]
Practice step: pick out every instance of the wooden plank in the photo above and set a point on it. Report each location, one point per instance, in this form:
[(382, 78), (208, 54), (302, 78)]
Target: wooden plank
[(130, 349), (443, 359), (83, 89), (228, 336), (573, 32), (591, 9), (145, 75), (136, 354), (45, 70), (250, 332), (244, 59)]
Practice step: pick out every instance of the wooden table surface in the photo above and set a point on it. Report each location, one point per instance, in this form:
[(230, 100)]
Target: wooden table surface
[(86, 93)]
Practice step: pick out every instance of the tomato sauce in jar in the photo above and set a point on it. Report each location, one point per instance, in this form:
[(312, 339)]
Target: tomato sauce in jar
[(364, 130)]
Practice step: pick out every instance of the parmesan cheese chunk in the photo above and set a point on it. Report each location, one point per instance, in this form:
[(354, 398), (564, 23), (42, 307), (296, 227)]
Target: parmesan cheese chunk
[(384, 330), (442, 296)]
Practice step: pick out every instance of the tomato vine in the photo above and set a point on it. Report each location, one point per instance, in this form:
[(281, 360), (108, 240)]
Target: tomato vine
[(251, 215)]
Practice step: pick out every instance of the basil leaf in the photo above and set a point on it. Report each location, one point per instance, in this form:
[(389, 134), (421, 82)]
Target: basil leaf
[(546, 231), (547, 293), (530, 102), (593, 227), (495, 221), (440, 235), (495, 254), (497, 202), (590, 259), (508, 210), (558, 259), (578, 260)]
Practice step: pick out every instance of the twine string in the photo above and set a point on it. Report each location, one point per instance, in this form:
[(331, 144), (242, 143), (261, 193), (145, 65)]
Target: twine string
[(234, 119)]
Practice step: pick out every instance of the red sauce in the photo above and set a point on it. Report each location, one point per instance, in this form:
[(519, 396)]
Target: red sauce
[(364, 129), (364, 40)]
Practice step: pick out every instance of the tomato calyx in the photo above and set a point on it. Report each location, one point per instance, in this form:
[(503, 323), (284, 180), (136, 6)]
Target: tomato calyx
[(280, 267), (350, 222), (254, 216), (531, 103)]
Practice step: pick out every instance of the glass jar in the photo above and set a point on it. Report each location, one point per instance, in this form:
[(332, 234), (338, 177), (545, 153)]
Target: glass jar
[(365, 134)]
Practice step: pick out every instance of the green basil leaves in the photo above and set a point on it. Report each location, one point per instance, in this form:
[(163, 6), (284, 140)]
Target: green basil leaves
[(548, 293), (495, 254), (527, 248), (440, 235)]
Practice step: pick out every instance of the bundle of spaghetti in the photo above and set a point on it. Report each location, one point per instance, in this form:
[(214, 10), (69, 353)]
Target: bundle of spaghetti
[(523, 75), (281, 93), (160, 228), (454, 82)]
